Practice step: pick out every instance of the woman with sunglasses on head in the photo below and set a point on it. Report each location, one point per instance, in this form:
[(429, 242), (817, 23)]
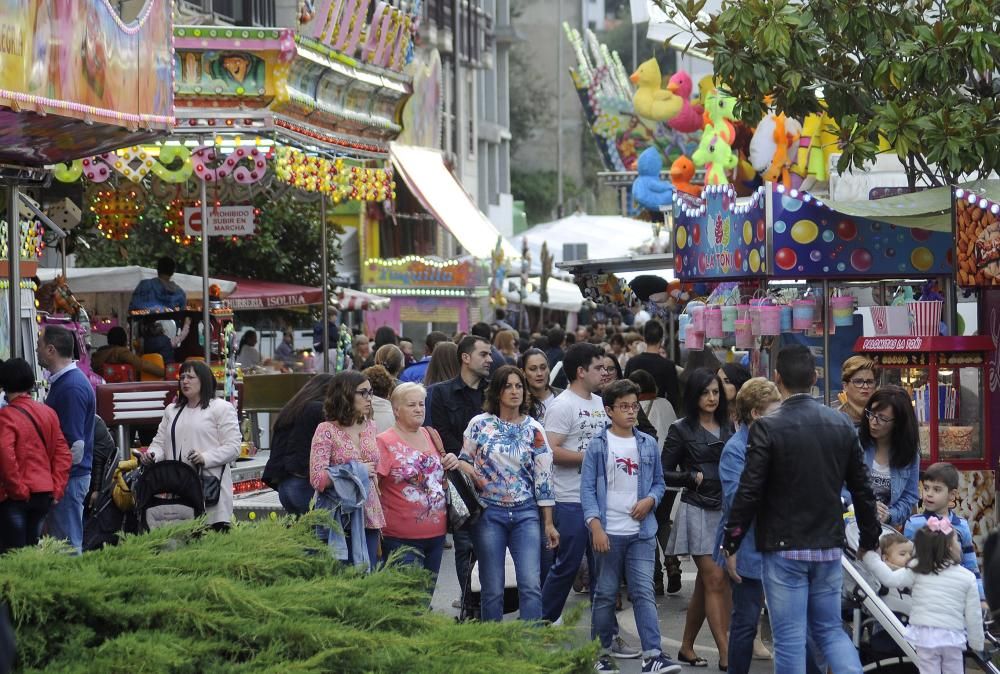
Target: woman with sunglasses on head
[(345, 442), (508, 457), (860, 379), (691, 457), (201, 430), (892, 452)]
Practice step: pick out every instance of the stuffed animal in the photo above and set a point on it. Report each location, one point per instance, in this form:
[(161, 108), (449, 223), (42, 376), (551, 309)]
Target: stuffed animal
[(650, 100), (714, 151), (690, 118), (772, 149), (716, 156), (681, 175), (648, 191), (817, 143)]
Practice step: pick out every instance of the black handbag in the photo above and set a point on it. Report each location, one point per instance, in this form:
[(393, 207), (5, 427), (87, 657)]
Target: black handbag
[(211, 486), (464, 506)]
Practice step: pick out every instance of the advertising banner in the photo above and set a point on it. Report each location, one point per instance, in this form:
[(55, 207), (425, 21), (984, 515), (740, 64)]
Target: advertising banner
[(720, 237), (417, 273)]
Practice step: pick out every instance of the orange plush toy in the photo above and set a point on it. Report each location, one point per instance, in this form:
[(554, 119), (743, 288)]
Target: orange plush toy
[(681, 175)]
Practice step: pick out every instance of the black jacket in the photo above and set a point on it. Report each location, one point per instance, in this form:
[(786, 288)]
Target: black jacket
[(290, 446), (694, 450), (453, 404), (798, 458)]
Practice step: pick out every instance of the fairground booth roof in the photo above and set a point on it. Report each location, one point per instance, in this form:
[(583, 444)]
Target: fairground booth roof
[(76, 80)]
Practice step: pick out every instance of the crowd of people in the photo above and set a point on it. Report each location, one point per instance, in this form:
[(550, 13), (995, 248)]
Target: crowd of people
[(574, 483)]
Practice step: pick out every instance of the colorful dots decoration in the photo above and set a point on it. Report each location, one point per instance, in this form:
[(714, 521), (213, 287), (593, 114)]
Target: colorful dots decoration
[(861, 259), (804, 232), (785, 258), (681, 238), (922, 258), (847, 230)]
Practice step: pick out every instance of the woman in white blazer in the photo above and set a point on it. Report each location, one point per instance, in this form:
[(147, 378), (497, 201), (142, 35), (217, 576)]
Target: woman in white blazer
[(207, 434)]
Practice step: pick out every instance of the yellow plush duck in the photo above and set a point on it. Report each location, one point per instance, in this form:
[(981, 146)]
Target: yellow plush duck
[(650, 100)]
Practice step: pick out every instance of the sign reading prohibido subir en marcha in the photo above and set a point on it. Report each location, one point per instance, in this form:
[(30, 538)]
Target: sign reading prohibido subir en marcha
[(222, 221)]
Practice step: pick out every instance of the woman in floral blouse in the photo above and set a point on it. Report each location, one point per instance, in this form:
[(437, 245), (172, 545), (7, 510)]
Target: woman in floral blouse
[(506, 453), (411, 481), (348, 434)]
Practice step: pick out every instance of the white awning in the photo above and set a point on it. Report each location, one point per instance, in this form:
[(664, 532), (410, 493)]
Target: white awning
[(125, 279), (440, 193), (676, 34), (563, 295)]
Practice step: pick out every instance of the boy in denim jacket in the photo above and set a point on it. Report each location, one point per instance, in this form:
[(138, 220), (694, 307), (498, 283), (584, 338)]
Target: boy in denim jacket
[(621, 484)]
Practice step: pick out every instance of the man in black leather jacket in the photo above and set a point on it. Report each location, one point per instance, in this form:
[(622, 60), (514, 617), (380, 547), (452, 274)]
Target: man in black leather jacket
[(797, 460)]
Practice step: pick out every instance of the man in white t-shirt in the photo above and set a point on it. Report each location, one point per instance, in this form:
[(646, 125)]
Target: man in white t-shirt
[(573, 419), (621, 484)]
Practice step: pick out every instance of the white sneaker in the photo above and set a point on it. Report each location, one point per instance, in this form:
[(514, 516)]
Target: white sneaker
[(620, 649)]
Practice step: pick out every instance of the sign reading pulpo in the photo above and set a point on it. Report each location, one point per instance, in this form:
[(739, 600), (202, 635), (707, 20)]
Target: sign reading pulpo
[(222, 221)]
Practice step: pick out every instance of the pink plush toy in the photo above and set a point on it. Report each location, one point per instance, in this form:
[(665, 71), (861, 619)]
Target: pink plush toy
[(691, 116)]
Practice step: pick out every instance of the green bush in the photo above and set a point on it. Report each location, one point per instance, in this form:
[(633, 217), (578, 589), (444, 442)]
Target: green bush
[(264, 597)]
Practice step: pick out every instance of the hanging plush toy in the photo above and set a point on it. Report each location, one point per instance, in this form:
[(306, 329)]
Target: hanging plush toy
[(650, 100), (648, 191), (714, 152), (690, 118), (681, 175), (773, 147)]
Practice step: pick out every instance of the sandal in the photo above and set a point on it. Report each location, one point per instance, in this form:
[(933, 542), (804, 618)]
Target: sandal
[(696, 661)]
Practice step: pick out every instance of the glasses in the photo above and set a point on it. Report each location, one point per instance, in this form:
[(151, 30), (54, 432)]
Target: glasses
[(602, 368), (365, 393), (627, 407), (878, 418), (863, 383)]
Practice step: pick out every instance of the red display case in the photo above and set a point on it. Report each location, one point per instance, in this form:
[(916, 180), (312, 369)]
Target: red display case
[(948, 380)]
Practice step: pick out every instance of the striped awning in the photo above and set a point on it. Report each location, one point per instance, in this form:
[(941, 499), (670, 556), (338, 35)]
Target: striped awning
[(348, 299)]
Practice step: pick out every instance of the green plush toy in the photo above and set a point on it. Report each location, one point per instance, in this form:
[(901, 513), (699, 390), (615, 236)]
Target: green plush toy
[(715, 151)]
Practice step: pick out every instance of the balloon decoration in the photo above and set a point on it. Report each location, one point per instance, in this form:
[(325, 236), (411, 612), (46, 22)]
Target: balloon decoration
[(334, 177), (172, 164), (116, 212)]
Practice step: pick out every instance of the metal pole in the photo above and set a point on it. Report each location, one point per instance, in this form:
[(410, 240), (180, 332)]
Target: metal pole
[(62, 251), (826, 341), (635, 48), (14, 273), (559, 113), (206, 316), (325, 273)]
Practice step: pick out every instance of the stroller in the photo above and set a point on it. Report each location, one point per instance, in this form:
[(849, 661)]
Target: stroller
[(472, 590), (877, 617), (166, 492), (113, 512)]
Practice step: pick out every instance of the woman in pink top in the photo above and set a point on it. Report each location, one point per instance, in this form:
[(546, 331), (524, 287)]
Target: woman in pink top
[(412, 483), (348, 435)]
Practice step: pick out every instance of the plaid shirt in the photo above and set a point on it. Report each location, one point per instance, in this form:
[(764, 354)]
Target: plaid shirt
[(825, 555)]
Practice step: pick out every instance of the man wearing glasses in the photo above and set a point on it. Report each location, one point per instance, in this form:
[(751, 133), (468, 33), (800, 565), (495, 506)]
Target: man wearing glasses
[(858, 374)]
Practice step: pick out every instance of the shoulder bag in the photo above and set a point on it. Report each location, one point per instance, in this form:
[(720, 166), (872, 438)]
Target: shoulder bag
[(464, 506), (211, 486)]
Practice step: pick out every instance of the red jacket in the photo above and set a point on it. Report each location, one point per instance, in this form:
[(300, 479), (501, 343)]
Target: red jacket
[(26, 465)]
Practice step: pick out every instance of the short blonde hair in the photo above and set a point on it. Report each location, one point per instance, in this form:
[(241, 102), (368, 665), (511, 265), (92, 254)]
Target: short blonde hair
[(403, 390), (856, 364), (755, 394)]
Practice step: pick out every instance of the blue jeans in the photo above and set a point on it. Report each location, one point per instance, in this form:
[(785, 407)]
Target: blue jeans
[(574, 543), (65, 519), (498, 529), (634, 557), (372, 537), (748, 600), (812, 589), (423, 552), (295, 493), (21, 521)]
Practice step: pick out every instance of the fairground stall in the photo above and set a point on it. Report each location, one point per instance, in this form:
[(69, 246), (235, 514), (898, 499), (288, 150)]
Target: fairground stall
[(74, 80), (764, 262), (263, 115)]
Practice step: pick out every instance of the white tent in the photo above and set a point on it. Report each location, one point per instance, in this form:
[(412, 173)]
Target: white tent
[(106, 291), (606, 236), (563, 295), (125, 279)]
